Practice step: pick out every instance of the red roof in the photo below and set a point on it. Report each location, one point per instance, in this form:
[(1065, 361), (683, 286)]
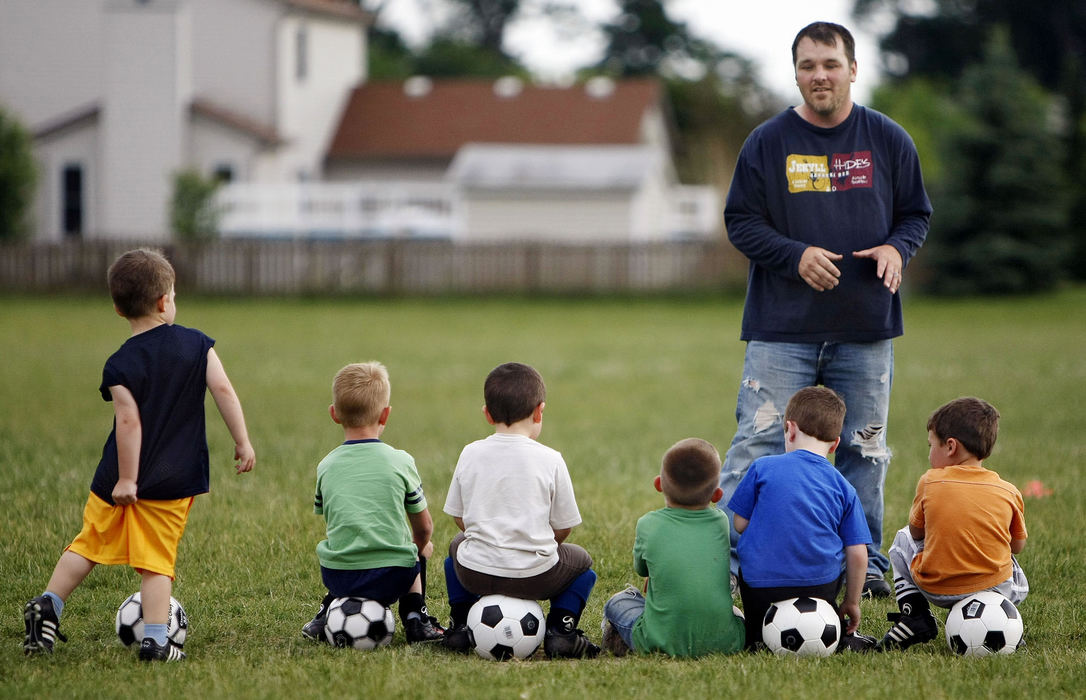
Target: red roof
[(382, 121)]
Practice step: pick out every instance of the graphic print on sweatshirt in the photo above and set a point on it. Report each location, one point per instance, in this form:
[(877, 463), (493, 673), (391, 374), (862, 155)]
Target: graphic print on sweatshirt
[(845, 171)]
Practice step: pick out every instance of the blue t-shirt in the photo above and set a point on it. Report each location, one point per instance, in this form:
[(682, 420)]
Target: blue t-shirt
[(802, 515), (165, 368), (852, 187)]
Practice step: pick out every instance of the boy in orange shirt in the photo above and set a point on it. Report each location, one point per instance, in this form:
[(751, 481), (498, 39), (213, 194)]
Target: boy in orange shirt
[(965, 526)]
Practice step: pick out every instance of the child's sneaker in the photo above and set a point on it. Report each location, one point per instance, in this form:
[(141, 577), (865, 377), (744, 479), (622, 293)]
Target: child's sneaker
[(875, 586), (856, 642), (569, 645), (423, 629), (908, 630), (150, 651), (458, 638), (42, 626), (314, 629), (612, 640)]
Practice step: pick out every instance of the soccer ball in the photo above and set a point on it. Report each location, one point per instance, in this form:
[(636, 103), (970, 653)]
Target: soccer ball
[(359, 622), (982, 624), (506, 627), (801, 627), (129, 623)]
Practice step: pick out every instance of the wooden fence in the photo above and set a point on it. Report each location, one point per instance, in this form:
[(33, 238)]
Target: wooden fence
[(381, 267)]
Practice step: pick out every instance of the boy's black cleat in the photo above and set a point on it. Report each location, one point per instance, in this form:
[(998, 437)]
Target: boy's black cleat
[(908, 630), (875, 586), (856, 642), (458, 638), (423, 629), (314, 629), (42, 626), (151, 651), (569, 645)]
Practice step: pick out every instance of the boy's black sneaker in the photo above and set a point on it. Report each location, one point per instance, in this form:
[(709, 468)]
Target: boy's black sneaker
[(314, 629), (569, 645), (875, 586), (856, 642), (458, 638), (908, 630), (151, 651), (42, 626), (423, 629)]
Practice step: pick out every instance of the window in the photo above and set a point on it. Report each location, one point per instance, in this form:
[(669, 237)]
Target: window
[(223, 173), (71, 189), (301, 53)]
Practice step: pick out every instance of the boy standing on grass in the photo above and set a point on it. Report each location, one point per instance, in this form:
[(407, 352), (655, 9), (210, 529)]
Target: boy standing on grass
[(155, 460), (683, 549), (364, 488), (513, 501), (965, 526), (802, 522)]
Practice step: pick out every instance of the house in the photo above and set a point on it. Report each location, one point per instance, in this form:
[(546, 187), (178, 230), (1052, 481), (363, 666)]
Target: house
[(121, 94)]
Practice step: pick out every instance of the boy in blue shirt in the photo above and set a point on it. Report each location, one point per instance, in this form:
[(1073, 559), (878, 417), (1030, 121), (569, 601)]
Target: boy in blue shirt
[(155, 460), (801, 521)]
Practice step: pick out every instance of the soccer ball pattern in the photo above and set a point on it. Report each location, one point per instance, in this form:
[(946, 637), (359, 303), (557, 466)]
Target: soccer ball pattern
[(359, 622), (129, 622), (801, 627), (506, 627), (982, 624)]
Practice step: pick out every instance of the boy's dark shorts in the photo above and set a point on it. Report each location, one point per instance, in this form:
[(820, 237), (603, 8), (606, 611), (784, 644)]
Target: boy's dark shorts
[(386, 584), (573, 561)]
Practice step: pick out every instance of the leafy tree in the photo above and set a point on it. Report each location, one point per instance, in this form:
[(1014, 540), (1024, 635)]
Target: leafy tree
[(18, 178), (1001, 205)]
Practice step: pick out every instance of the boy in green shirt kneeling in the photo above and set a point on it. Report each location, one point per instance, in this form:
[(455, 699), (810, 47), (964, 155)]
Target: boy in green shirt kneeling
[(684, 551)]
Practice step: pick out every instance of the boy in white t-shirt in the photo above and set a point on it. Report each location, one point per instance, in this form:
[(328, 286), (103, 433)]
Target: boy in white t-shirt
[(512, 498)]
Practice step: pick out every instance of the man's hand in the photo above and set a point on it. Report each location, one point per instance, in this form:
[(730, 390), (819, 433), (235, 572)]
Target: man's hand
[(888, 264), (817, 269)]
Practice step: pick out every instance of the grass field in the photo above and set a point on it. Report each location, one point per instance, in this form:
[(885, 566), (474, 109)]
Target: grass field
[(626, 378)]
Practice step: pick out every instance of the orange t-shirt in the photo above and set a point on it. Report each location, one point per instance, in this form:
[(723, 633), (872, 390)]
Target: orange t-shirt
[(969, 516)]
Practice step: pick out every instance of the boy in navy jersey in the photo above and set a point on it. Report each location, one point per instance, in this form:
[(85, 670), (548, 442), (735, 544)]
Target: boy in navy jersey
[(155, 460)]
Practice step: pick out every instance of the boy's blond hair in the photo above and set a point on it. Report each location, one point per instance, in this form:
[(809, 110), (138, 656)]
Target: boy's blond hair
[(138, 279), (690, 472), (818, 412), (971, 421), (360, 392)]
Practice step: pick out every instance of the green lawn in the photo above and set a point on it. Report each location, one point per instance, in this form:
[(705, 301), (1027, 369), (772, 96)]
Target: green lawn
[(626, 379)]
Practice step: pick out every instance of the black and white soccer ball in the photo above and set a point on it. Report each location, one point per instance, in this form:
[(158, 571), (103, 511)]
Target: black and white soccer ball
[(129, 621), (358, 622), (506, 627), (801, 627), (984, 623)]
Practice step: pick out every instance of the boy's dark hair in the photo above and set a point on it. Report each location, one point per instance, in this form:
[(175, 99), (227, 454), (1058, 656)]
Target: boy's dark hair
[(138, 279), (971, 421), (827, 33), (817, 411), (512, 391), (690, 472)]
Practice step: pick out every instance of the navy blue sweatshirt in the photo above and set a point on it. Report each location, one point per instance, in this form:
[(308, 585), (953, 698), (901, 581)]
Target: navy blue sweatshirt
[(852, 187)]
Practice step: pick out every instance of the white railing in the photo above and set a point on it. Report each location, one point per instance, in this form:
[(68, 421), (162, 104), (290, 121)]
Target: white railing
[(339, 210)]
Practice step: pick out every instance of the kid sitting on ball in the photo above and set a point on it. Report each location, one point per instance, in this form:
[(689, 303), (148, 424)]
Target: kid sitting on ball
[(683, 549), (364, 488), (802, 522), (965, 526), (155, 460), (513, 501)]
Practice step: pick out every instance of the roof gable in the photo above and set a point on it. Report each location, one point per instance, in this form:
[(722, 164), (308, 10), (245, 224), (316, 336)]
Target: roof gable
[(381, 120)]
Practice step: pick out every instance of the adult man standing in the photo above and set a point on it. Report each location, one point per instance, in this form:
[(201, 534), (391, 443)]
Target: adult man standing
[(828, 204)]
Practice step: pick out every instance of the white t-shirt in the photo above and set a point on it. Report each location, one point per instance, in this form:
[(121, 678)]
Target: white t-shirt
[(512, 494)]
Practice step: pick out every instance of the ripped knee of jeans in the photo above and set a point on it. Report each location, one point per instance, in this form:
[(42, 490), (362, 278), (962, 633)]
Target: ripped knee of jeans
[(766, 417), (871, 441)]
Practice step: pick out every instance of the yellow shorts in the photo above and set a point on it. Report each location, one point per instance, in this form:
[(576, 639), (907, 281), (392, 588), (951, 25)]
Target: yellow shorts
[(143, 535)]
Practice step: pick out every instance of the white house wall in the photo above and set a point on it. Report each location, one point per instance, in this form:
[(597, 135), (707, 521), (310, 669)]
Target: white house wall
[(345, 171), (573, 217), (75, 146)]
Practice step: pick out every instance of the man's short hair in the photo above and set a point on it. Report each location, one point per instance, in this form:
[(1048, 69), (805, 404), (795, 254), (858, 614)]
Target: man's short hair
[(690, 472), (138, 279), (818, 412), (512, 391), (360, 392), (826, 33), (971, 421)]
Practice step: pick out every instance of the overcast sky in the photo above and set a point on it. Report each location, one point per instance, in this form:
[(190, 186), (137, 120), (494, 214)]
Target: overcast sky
[(758, 29)]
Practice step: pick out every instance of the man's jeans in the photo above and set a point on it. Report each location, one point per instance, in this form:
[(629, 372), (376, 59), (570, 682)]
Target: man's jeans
[(861, 373)]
